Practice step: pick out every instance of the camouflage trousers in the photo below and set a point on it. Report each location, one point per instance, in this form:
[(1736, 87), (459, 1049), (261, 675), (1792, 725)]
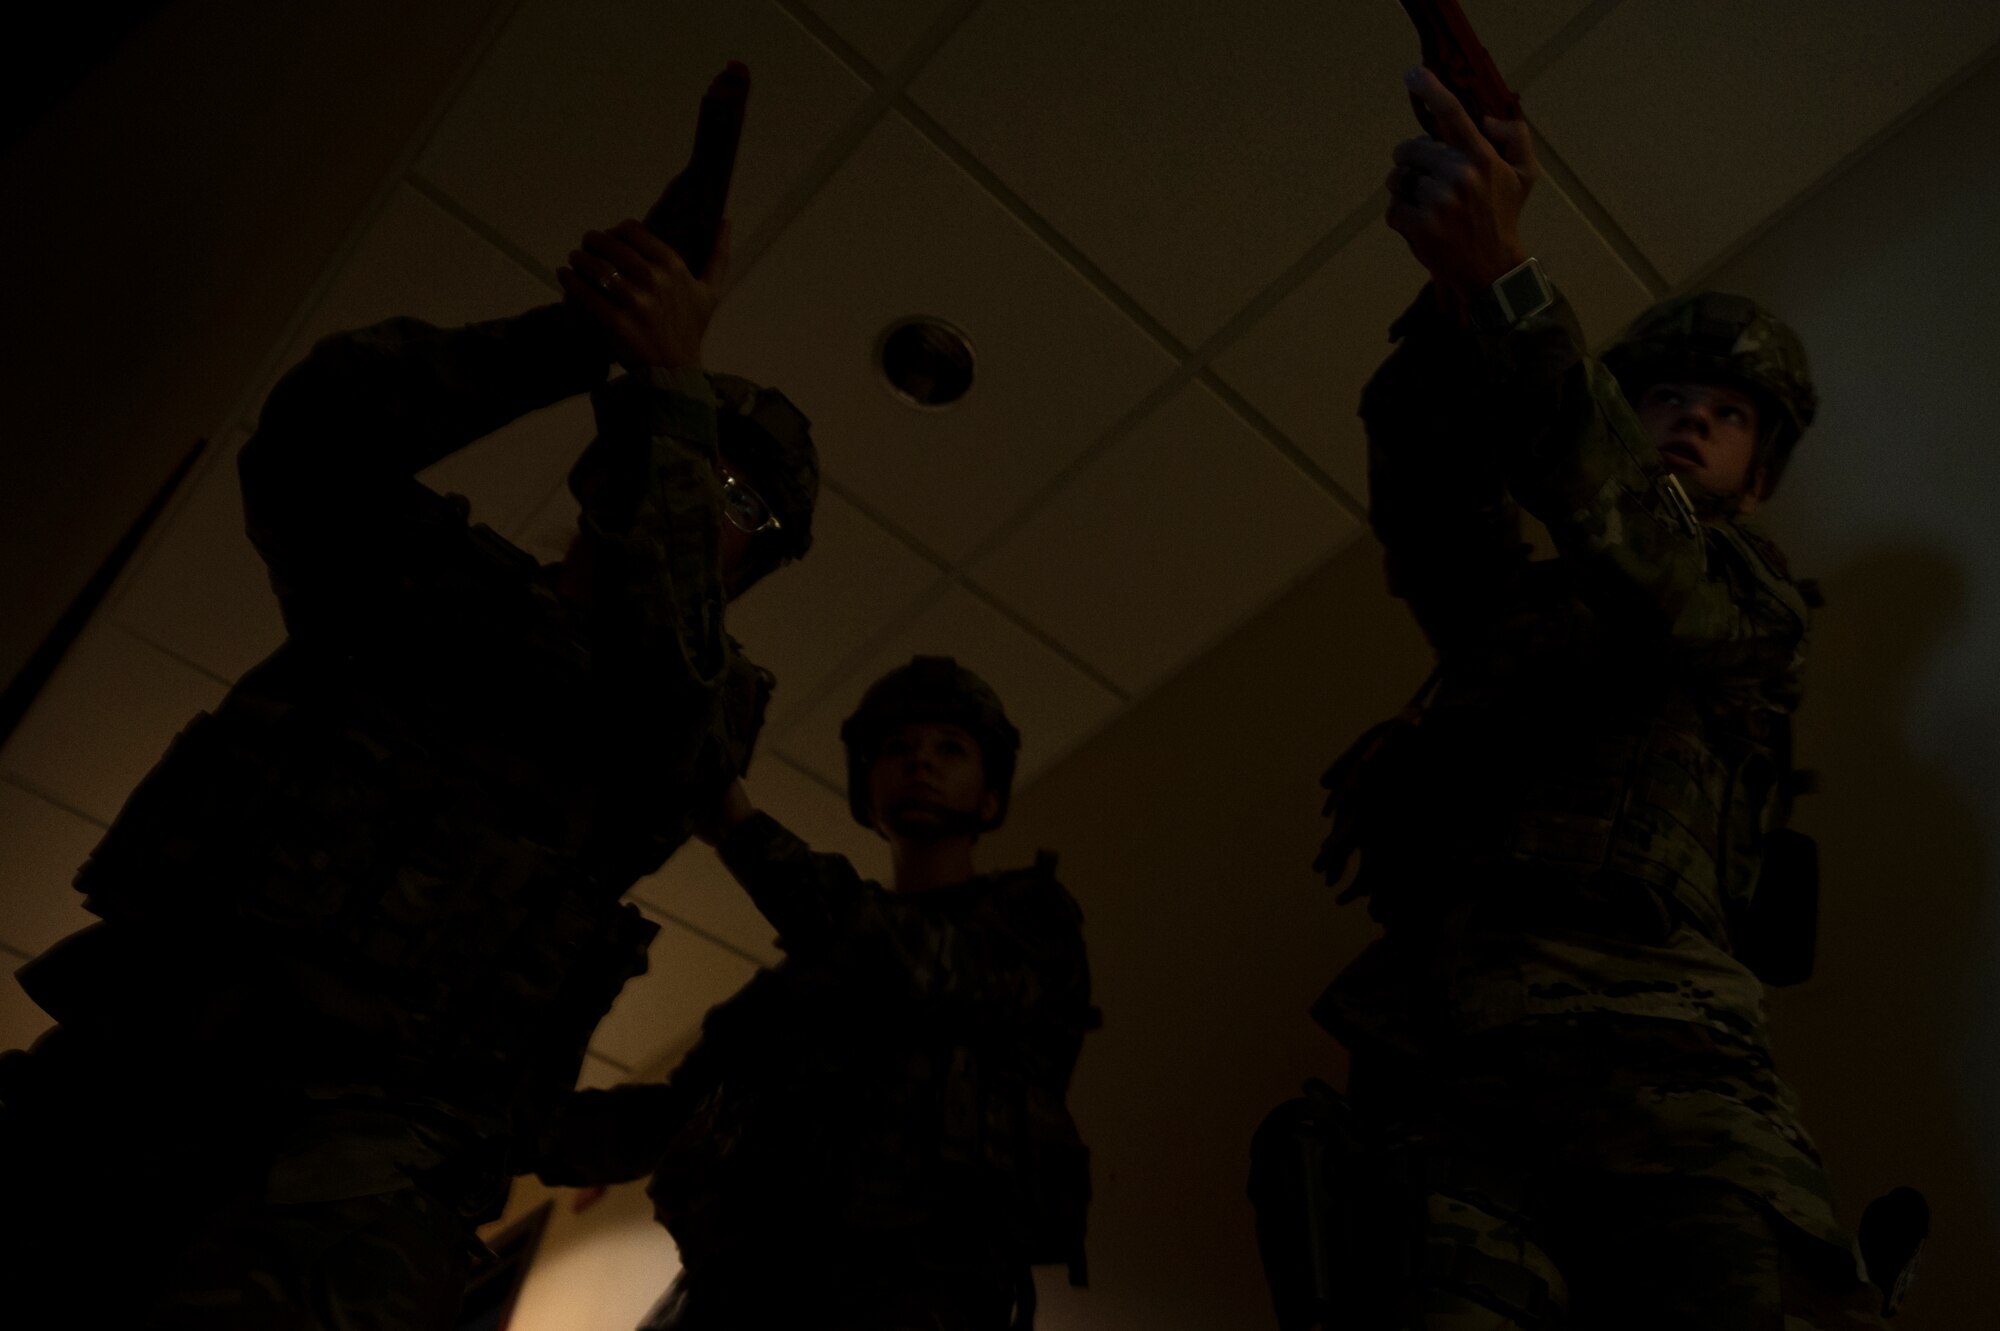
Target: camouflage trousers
[(1527, 1184), (137, 1194), (1645, 1254), (392, 1262)]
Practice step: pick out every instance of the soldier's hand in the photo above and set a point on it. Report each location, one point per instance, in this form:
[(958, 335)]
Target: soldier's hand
[(719, 818), (632, 284), (1457, 198)]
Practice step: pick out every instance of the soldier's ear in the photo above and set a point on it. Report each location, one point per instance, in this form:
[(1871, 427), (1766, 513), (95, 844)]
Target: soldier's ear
[(1756, 489), (989, 806)]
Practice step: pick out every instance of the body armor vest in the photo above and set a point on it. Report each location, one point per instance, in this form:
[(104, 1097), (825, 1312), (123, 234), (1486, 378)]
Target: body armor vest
[(399, 849), (1562, 777)]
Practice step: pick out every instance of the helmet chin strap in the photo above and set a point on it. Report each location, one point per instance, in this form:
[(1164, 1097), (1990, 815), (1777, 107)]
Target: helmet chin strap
[(942, 825), (1710, 505)]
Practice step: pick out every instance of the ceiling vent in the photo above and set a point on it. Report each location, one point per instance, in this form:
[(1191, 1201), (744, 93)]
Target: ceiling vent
[(926, 362)]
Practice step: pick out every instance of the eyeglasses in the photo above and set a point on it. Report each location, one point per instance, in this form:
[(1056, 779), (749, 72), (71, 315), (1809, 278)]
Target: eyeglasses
[(744, 507)]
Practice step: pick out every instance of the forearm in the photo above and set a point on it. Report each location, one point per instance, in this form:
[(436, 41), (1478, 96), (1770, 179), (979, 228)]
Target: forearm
[(806, 896), (651, 506), (609, 1136), (1437, 495), (389, 400)]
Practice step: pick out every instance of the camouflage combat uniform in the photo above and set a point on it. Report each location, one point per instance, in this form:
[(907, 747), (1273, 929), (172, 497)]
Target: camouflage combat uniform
[(358, 924), (1556, 1037), (872, 1136)]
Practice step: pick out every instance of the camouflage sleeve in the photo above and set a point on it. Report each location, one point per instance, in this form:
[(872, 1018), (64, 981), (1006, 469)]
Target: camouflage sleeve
[(651, 519), (608, 1136), (1021, 956), (1577, 458), (366, 410), (809, 898), (1437, 498), (332, 501)]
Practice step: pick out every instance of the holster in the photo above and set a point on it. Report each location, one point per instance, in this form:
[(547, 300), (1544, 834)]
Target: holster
[(1313, 1181), (1360, 1237)]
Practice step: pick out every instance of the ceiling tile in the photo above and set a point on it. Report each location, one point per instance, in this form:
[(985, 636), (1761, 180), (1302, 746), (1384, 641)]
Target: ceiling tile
[(548, 531), (41, 848), (696, 890), (1604, 293), (509, 472), (417, 260), (1192, 150), (583, 110), (816, 815), (1304, 364), (202, 590), (104, 720), (1694, 120), (694, 886), (1513, 30), (1174, 536), (803, 621), (599, 1072), (900, 231), (21, 1022), (1053, 704), (662, 1009), (882, 30)]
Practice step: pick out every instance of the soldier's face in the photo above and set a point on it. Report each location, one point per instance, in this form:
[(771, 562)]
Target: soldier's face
[(1707, 434), (929, 780), (734, 545), (735, 540)]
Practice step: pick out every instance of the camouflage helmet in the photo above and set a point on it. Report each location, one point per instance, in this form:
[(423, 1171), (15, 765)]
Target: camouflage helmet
[(770, 441), (935, 689), (1714, 337)]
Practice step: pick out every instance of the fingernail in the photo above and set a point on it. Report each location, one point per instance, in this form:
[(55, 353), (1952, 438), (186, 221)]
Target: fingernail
[(1413, 75)]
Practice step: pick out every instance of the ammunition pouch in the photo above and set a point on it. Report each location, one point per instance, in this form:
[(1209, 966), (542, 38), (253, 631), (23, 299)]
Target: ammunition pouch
[(1360, 1236)]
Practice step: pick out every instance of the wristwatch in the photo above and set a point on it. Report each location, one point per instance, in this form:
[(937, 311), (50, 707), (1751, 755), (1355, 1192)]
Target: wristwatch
[(1521, 293)]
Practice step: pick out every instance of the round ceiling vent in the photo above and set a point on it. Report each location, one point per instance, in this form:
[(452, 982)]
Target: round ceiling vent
[(926, 362)]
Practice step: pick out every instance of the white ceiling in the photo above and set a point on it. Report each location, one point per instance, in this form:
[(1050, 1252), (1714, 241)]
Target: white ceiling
[(1156, 220)]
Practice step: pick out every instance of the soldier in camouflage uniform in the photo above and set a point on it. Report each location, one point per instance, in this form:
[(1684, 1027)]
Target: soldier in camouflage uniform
[(872, 1136), (358, 924), (1562, 1108)]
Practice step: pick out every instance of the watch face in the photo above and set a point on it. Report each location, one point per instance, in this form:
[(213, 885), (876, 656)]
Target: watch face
[(1523, 292)]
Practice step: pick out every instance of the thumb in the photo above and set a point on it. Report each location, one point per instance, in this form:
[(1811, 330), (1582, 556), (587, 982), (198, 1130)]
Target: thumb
[(718, 257)]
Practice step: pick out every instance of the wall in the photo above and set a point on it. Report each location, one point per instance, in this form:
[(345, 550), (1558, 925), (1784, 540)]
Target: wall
[(163, 224), (1187, 831), (1890, 275), (603, 1267)]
